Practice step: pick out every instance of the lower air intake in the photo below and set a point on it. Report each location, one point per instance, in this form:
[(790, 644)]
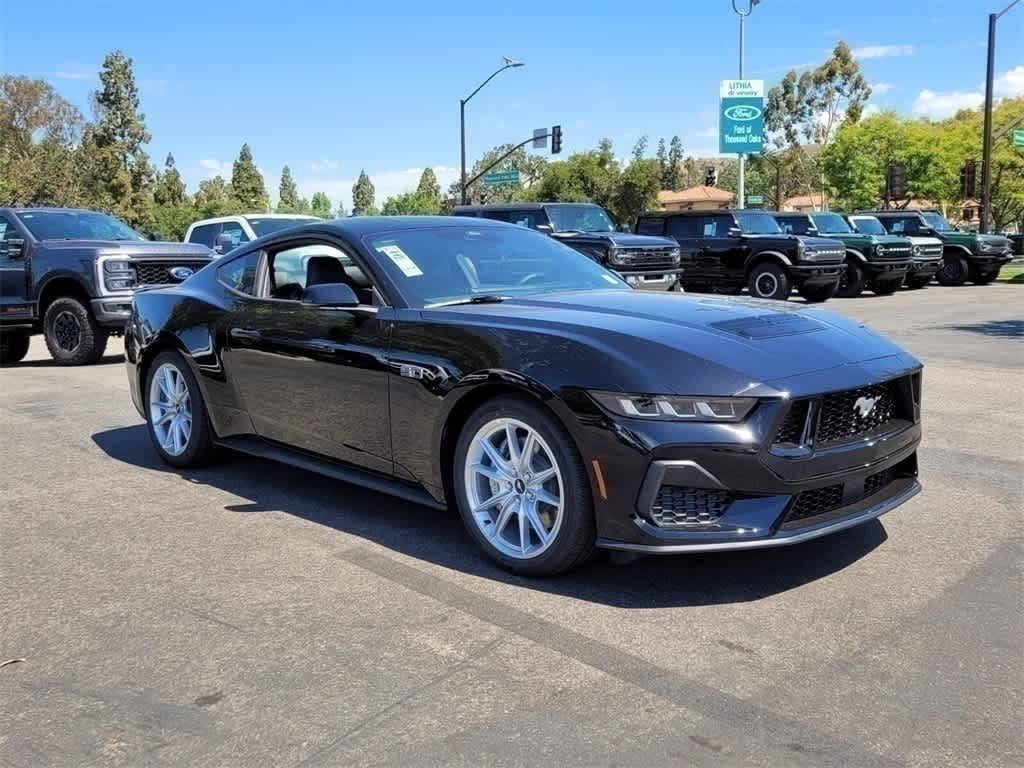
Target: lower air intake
[(678, 507)]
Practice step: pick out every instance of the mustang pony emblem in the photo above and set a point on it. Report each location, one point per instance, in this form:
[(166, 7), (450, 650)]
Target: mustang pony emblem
[(864, 406)]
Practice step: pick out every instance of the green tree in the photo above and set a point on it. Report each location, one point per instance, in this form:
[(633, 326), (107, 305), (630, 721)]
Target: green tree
[(530, 167), (636, 190), (583, 176), (170, 189), (247, 187), (411, 203), (214, 198), (321, 205), (662, 156), (287, 193), (363, 196), (428, 187), (675, 164), (640, 148)]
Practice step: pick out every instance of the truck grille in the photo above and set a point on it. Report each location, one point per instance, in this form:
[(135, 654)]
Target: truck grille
[(678, 507), (157, 272), (895, 253), (649, 258), (825, 255), (929, 251)]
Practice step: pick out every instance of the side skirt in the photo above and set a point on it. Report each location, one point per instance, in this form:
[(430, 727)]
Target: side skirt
[(255, 446)]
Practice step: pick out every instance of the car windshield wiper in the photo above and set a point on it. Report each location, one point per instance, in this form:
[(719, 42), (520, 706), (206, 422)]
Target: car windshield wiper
[(490, 298)]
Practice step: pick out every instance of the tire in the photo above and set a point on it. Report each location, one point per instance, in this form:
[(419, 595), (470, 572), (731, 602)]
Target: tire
[(885, 287), (178, 387), (954, 271), (851, 281), (916, 283), (570, 527), (979, 277), (71, 333), (769, 281), (13, 346), (815, 294)]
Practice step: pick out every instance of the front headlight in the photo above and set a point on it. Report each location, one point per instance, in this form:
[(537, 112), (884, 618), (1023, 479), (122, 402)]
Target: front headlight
[(879, 250), (918, 250), (118, 275), (676, 407), (675, 254)]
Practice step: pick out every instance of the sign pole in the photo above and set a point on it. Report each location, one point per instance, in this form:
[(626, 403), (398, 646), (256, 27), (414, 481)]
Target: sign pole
[(740, 186)]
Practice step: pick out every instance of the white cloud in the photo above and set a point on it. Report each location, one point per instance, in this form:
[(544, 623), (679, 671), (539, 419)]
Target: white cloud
[(213, 168), (319, 166), (1010, 84), (942, 105), (877, 89), (76, 74), (881, 51), (385, 184)]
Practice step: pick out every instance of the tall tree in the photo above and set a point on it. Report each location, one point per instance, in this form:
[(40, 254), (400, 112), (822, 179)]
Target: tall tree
[(170, 189), (675, 164), (363, 196), (411, 203), (287, 193), (247, 185), (663, 171), (530, 167), (428, 186), (640, 148), (636, 190), (321, 205), (214, 198)]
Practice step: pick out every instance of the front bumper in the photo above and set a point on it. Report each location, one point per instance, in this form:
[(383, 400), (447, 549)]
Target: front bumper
[(816, 274), (928, 266), (112, 311), (989, 261), (888, 269), (651, 281)]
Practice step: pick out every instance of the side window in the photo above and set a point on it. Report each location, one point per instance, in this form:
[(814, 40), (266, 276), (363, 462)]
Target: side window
[(234, 229), (651, 226), (240, 273), (7, 230), (716, 226), (205, 235), (528, 219), (797, 225), (685, 226), (293, 269), (495, 215)]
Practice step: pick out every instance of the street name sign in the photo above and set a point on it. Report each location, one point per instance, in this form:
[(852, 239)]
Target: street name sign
[(503, 177)]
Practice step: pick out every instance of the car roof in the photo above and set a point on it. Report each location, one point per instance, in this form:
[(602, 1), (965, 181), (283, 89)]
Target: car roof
[(515, 206), (234, 216), (47, 209)]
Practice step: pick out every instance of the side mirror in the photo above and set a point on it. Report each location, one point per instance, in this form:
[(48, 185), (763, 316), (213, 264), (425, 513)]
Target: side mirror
[(624, 228), (735, 232), (546, 229), (338, 295), (156, 236), (224, 244), (14, 248)]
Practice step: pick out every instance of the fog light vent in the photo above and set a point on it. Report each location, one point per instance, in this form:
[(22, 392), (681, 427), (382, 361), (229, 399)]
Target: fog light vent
[(679, 507)]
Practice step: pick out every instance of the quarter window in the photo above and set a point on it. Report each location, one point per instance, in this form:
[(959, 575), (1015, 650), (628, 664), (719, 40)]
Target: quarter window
[(240, 273), (653, 226)]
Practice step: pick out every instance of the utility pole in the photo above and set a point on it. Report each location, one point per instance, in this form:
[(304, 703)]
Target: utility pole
[(741, 197), (986, 151)]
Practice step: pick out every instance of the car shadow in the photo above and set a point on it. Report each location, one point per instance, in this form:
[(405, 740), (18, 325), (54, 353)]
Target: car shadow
[(51, 363), (1001, 329), (438, 536)]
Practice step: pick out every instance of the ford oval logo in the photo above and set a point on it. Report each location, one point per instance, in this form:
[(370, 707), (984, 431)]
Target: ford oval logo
[(740, 112), (181, 273)]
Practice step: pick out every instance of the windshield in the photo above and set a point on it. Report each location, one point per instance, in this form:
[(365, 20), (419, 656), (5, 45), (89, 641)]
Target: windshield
[(868, 225), (937, 222), (579, 218), (911, 224), (76, 225), (265, 226), (830, 223), (453, 264), (758, 224)]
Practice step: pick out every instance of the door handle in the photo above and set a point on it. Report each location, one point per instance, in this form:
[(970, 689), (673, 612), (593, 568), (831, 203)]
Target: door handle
[(245, 334)]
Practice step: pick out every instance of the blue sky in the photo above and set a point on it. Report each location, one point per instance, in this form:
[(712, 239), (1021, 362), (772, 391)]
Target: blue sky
[(334, 87)]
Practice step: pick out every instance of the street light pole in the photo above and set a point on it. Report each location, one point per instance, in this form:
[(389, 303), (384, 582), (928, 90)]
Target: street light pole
[(986, 151), (509, 64), (741, 196)]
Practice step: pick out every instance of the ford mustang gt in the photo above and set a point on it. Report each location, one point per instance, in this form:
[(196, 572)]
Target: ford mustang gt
[(479, 365)]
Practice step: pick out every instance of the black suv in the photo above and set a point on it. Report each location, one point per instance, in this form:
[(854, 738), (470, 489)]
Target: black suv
[(723, 251), (877, 261), (70, 274), (651, 263)]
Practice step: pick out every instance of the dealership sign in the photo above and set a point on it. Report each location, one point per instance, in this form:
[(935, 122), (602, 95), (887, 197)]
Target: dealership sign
[(741, 116)]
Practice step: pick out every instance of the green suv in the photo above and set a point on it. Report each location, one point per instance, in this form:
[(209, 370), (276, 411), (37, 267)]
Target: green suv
[(875, 261)]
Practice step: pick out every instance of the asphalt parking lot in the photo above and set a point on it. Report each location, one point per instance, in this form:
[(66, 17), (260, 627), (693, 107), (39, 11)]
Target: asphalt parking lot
[(254, 614)]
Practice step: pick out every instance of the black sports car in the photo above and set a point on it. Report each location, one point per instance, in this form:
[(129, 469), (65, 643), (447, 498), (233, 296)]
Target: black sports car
[(477, 364)]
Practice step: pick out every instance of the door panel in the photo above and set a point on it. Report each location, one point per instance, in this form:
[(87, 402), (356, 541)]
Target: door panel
[(720, 255), (14, 302)]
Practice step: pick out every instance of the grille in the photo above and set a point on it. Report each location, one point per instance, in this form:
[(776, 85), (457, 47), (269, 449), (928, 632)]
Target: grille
[(843, 413), (876, 482), (826, 254), (816, 502), (792, 428), (153, 272), (678, 507), (929, 251), (648, 257), (894, 252)]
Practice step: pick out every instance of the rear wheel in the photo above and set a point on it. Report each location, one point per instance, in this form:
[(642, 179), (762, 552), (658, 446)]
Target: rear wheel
[(953, 271), (851, 281), (885, 287), (522, 490), (818, 293), (176, 414), (13, 346), (72, 334), (769, 281)]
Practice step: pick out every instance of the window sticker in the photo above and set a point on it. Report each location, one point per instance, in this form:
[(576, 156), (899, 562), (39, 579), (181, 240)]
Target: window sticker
[(401, 260)]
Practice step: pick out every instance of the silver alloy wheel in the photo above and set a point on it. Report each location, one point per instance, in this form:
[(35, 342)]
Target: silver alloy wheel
[(170, 409), (514, 488), (766, 284)]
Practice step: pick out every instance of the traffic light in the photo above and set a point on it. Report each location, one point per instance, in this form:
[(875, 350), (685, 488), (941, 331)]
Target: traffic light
[(710, 176), (897, 187), (556, 139), (968, 179)]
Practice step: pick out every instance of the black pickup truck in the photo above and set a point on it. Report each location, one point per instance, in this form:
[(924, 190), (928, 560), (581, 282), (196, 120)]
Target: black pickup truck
[(70, 275), (725, 250), (651, 263)]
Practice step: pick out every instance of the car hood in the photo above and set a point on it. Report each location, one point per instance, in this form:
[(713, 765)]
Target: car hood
[(708, 345), (133, 248), (622, 239), (815, 242)]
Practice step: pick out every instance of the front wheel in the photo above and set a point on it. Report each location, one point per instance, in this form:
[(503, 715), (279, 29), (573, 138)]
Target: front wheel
[(72, 334), (522, 489), (769, 281), (852, 280), (176, 413), (953, 271), (13, 346), (815, 294)]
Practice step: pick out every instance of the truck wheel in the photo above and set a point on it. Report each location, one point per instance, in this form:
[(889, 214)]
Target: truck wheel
[(851, 281), (769, 281), (953, 271), (979, 277), (885, 287), (71, 333), (815, 294), (13, 346)]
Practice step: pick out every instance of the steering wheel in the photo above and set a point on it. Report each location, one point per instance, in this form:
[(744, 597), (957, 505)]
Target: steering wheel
[(529, 277)]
